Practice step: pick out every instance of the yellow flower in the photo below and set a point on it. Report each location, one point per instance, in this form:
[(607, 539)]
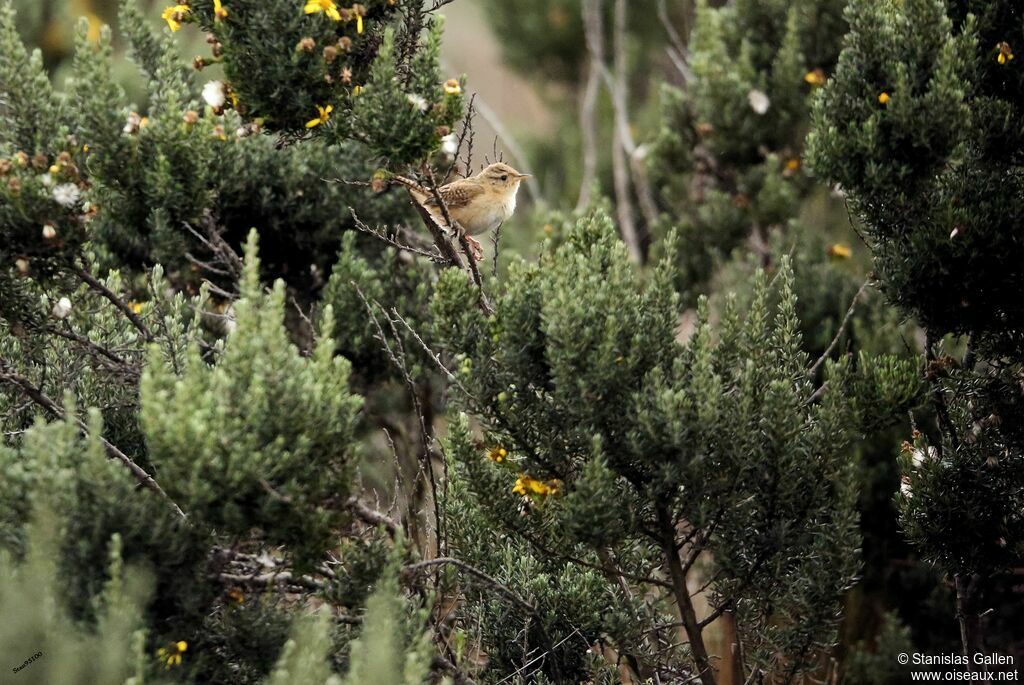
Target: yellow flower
[(815, 77), (219, 10), (175, 15), (840, 251), (883, 98), (135, 306), (325, 114), (527, 486), (497, 454), (171, 655), (236, 595), (359, 23), (1005, 53), (357, 91), (792, 166), (326, 6), (452, 87)]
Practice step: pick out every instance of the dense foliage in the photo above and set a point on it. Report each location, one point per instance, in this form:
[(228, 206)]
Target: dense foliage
[(266, 421)]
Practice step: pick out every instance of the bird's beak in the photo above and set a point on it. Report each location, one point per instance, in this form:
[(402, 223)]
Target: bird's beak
[(525, 175)]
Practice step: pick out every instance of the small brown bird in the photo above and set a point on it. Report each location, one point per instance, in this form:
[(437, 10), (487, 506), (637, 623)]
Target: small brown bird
[(477, 204)]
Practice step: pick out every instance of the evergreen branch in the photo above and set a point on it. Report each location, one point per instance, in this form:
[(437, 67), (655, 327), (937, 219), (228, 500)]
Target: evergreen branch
[(84, 341), (611, 573), (40, 398), (473, 571), (114, 299)]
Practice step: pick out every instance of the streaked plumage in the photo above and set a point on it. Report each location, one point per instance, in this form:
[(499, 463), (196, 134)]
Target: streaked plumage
[(478, 204)]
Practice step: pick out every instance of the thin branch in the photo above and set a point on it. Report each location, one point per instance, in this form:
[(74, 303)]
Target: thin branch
[(430, 353), (397, 358), (40, 398), (588, 124), (474, 268), (491, 117), (636, 153), (94, 347), (622, 144), (576, 631), (273, 578), (473, 571), (677, 50), (842, 329), (373, 517), (694, 631), (106, 292), (378, 233)]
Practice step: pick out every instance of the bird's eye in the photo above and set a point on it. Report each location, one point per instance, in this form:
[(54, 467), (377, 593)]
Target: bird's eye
[(504, 177)]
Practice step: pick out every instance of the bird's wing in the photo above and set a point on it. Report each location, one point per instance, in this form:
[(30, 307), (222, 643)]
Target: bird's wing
[(457, 194)]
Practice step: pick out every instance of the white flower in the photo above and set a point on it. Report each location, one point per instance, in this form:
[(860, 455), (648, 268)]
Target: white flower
[(450, 145), (62, 308), (759, 102), (46, 180), (920, 456), (66, 194), (214, 94), (418, 102), (133, 124), (49, 232), (905, 487)]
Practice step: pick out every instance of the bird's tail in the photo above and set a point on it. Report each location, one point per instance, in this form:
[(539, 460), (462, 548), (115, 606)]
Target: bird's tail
[(418, 191)]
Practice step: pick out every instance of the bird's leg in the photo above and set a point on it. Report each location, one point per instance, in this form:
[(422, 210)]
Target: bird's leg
[(478, 249)]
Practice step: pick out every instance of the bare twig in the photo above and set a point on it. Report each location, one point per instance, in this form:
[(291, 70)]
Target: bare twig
[(588, 119), (379, 233), (627, 158), (466, 137), (842, 330), (397, 356), (636, 153), (273, 578), (541, 657), (230, 261), (492, 118), (430, 353), (373, 517), (677, 50)]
